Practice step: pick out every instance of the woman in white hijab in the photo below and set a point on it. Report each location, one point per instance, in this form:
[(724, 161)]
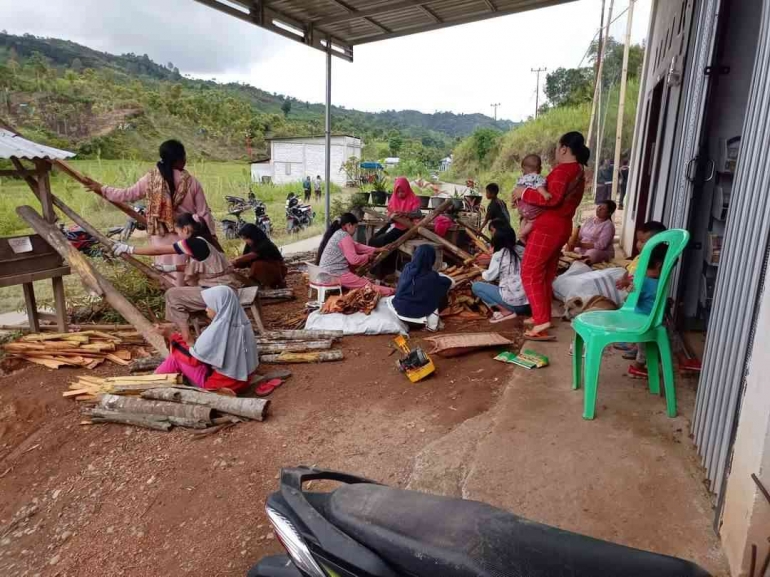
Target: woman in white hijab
[(225, 354)]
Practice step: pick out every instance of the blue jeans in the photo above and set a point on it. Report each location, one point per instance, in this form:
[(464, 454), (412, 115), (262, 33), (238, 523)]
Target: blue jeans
[(490, 294)]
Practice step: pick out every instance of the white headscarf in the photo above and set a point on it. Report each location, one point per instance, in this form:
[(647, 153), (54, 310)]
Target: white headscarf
[(228, 344)]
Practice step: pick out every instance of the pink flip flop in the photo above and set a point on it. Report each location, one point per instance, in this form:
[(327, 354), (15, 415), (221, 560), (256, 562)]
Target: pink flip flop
[(268, 387)]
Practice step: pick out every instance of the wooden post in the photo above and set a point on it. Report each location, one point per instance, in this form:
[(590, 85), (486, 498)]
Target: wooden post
[(599, 124), (31, 304), (409, 234), (106, 242), (597, 78), (60, 303), (433, 237), (44, 191), (622, 102), (91, 278)]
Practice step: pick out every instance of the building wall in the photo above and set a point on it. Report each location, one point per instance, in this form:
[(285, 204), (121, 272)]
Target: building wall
[(293, 160), (746, 519)]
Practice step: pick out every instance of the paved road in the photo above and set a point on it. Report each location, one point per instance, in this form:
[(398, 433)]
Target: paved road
[(307, 245)]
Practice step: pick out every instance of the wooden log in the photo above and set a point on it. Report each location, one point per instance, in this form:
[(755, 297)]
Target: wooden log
[(408, 235), (107, 243), (46, 328), (276, 294), (473, 231), (304, 335), (84, 180), (122, 404), (144, 365), (433, 237), (255, 409), (154, 422), (274, 347), (93, 280), (292, 358)]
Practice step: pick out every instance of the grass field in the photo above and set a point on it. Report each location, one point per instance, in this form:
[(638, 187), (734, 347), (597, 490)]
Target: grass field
[(219, 179)]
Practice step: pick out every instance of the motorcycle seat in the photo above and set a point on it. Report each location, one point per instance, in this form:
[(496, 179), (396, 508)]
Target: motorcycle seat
[(419, 534)]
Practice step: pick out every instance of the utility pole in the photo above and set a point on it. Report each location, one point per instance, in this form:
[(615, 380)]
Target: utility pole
[(597, 75), (495, 107), (598, 101), (622, 103), (537, 93)]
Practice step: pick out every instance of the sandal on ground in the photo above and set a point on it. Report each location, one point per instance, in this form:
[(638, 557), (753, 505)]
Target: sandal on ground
[(623, 346), (542, 336), (268, 387), (636, 373), (498, 317)]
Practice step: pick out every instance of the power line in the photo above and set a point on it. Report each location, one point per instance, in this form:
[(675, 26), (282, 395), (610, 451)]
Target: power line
[(495, 106)]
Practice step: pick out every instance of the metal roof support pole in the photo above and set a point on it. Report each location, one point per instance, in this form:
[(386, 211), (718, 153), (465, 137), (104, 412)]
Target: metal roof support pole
[(328, 167)]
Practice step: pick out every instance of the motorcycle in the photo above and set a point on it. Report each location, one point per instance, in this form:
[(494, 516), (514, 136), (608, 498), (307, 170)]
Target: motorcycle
[(124, 232), (365, 529), (83, 241), (236, 206), (298, 215)]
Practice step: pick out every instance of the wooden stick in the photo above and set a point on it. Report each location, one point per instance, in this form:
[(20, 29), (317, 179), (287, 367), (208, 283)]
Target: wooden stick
[(92, 279), (107, 243), (276, 294), (408, 235), (432, 236), (479, 234), (306, 335), (292, 358), (144, 365), (154, 422), (272, 347), (255, 409)]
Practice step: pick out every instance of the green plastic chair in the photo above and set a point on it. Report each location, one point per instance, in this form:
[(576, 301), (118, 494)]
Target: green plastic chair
[(597, 329)]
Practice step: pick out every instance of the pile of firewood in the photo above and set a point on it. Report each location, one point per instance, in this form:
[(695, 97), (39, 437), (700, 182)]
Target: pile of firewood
[(159, 402), (362, 300), (463, 304), (86, 349), (464, 273)]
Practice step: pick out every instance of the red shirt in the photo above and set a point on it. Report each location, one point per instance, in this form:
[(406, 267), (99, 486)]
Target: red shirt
[(560, 211)]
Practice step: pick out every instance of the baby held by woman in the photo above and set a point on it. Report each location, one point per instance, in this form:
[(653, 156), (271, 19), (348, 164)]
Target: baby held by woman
[(531, 167)]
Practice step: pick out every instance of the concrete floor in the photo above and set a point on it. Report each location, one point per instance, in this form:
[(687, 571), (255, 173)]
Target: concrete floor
[(631, 476)]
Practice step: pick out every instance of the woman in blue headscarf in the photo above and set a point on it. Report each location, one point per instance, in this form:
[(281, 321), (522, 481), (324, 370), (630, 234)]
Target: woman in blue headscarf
[(421, 289)]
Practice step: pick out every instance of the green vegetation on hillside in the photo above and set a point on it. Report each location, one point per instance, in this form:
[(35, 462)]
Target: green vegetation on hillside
[(490, 155), (107, 106)]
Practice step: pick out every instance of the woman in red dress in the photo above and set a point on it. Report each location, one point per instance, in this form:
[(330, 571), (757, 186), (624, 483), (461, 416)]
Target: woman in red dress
[(552, 229)]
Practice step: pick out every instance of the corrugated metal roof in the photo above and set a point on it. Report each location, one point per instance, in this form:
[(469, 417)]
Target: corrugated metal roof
[(347, 23), (13, 146)]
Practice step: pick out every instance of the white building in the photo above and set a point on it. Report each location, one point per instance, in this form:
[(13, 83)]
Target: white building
[(292, 159)]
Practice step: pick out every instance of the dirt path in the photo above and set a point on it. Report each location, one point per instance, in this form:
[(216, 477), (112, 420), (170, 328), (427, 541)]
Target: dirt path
[(113, 500)]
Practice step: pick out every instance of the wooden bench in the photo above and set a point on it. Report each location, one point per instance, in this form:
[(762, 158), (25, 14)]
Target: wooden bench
[(249, 299)]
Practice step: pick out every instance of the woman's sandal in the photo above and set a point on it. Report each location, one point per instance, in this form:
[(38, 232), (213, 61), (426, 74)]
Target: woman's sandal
[(542, 336), (268, 387), (498, 317)]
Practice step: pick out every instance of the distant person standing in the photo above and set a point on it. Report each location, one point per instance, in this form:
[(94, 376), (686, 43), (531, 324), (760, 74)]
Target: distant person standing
[(624, 172), (306, 187), (318, 187), (169, 191), (604, 182)]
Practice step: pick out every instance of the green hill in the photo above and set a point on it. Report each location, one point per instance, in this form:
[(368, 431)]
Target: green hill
[(109, 106)]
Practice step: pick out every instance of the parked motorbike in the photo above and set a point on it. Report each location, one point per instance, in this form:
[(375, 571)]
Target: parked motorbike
[(124, 232), (298, 215), (364, 529), (82, 240), (237, 206)]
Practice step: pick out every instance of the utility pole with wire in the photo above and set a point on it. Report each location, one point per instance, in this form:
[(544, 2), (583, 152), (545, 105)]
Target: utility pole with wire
[(495, 107), (537, 92), (622, 100)]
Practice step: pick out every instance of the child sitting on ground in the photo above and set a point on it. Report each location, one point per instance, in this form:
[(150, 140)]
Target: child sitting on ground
[(531, 167), (646, 302), (625, 283)]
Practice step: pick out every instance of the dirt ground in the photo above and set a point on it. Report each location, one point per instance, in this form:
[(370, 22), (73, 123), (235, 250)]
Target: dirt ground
[(114, 500)]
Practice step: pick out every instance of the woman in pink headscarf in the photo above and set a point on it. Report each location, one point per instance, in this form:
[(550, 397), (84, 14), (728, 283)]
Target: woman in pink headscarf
[(402, 203)]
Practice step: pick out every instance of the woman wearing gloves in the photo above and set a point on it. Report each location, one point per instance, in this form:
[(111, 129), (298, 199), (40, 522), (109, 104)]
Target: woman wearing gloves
[(206, 267), (169, 191)]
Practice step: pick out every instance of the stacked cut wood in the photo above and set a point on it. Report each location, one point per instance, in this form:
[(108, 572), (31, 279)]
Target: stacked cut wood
[(567, 258), (280, 347), (86, 349), (463, 304), (159, 402), (462, 274)]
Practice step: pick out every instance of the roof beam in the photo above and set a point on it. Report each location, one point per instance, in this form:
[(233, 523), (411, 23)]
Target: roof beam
[(351, 10), (369, 12), (490, 5)]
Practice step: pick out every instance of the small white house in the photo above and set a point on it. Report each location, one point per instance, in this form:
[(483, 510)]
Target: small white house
[(446, 163), (292, 159), (391, 161)]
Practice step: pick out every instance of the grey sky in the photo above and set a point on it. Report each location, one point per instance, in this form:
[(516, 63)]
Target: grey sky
[(462, 69)]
